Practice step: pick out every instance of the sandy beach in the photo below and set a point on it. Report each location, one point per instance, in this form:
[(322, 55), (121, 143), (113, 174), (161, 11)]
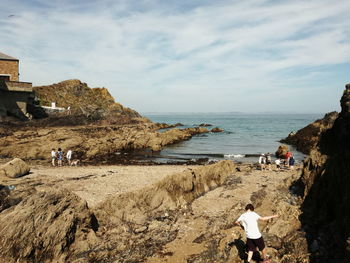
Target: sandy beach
[(95, 183)]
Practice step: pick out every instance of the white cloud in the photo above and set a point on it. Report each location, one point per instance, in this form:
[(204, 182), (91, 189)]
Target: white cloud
[(180, 57)]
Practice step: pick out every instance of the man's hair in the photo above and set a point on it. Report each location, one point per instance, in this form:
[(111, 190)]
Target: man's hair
[(249, 207)]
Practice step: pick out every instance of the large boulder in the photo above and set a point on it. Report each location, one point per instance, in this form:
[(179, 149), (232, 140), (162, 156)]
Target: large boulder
[(15, 168), (281, 151)]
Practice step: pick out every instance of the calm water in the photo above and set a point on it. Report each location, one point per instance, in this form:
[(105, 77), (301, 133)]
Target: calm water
[(245, 136)]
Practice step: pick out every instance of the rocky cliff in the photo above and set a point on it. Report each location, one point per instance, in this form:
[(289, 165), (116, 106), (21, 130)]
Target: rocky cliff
[(307, 138), (325, 184), (91, 102)]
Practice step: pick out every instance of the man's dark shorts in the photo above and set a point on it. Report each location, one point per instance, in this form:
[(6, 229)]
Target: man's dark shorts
[(252, 244)]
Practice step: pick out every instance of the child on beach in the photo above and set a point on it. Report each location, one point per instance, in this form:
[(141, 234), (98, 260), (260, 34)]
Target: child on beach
[(53, 157), (59, 157), (288, 155), (268, 161), (249, 221), (291, 162), (278, 163)]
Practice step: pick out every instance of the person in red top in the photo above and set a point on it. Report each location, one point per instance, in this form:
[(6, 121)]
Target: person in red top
[(288, 155)]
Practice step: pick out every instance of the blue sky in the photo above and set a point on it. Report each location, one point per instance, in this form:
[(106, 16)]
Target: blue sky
[(187, 56)]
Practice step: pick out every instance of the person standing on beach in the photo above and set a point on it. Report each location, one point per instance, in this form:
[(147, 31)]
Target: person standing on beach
[(69, 156), (59, 157), (53, 157), (291, 162), (262, 161), (249, 221), (278, 163), (268, 161), (288, 155)]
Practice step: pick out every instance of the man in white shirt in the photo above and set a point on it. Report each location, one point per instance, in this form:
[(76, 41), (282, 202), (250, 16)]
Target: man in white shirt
[(249, 221)]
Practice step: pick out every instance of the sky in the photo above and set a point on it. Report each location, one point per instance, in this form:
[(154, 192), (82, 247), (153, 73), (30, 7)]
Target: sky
[(187, 56)]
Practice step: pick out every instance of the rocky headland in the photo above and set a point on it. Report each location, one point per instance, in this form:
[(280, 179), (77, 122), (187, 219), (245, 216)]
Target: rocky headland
[(94, 103), (96, 128), (307, 138)]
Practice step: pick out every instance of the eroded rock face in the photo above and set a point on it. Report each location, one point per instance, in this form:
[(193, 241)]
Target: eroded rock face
[(307, 138), (326, 183), (46, 226)]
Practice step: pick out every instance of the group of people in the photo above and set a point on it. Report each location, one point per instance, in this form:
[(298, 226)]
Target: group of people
[(265, 161), (59, 156)]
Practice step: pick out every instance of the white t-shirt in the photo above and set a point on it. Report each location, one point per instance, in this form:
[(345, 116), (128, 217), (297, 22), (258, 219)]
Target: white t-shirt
[(262, 160), (69, 154), (249, 221), (53, 154)]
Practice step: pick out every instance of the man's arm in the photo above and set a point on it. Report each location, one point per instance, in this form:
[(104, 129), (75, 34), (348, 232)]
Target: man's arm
[(239, 224), (265, 218)]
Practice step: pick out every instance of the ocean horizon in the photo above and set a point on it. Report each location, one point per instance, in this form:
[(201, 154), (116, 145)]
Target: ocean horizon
[(245, 136)]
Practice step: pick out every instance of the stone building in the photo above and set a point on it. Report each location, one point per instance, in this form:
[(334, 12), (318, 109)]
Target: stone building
[(14, 95)]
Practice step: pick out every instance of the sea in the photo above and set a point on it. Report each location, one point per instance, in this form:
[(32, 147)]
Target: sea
[(245, 136)]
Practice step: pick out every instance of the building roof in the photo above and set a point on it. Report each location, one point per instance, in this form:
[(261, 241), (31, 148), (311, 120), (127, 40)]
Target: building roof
[(6, 57)]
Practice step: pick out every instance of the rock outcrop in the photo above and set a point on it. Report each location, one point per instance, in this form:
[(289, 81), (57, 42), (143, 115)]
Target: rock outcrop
[(307, 138), (217, 129), (282, 151), (168, 126), (205, 125), (93, 103), (325, 185), (91, 143), (173, 192), (46, 226), (14, 168)]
